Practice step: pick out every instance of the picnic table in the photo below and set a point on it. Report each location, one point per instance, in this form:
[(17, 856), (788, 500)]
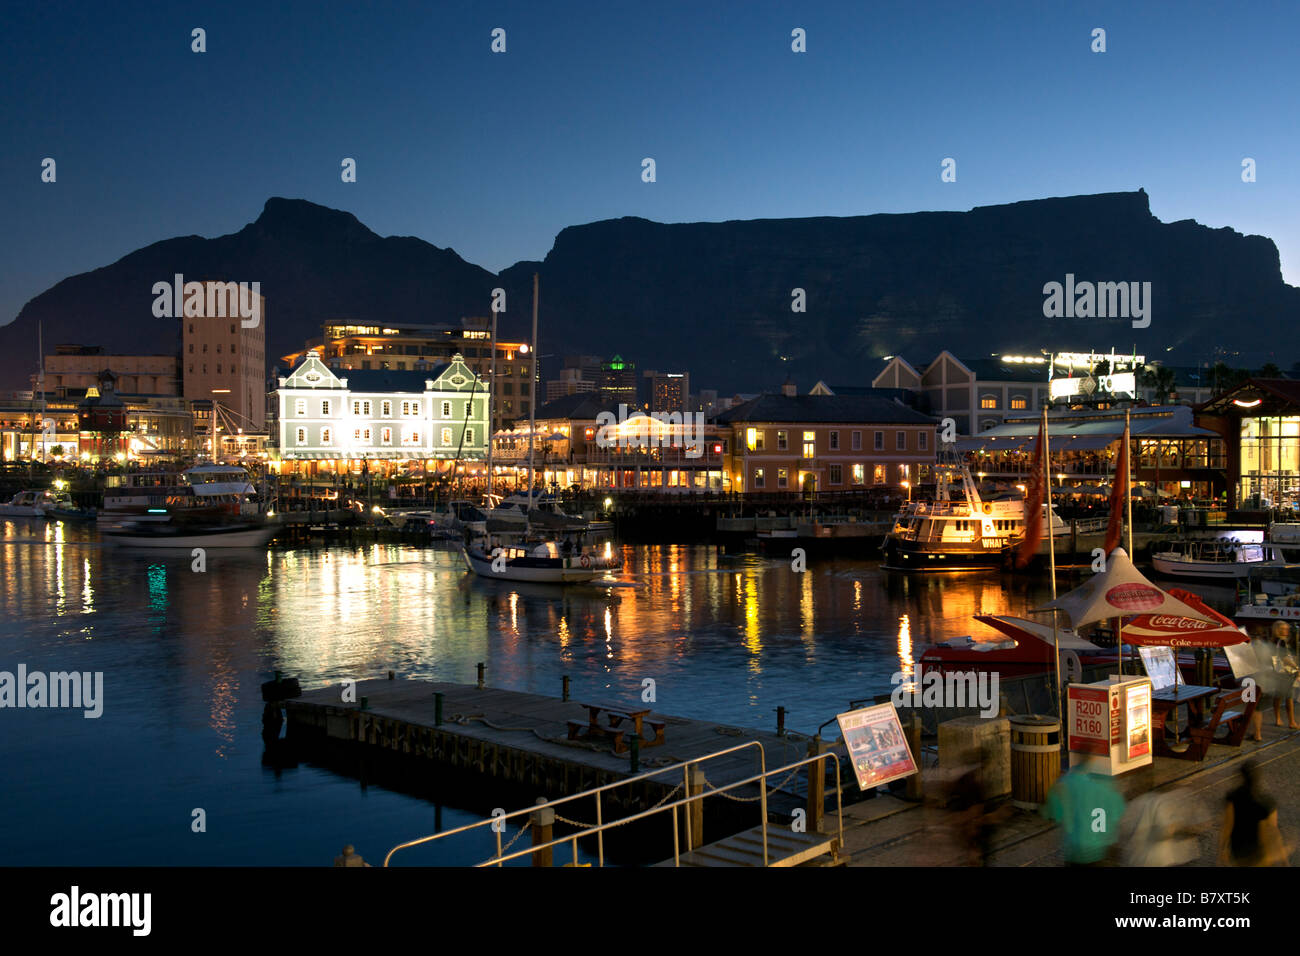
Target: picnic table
[(1230, 711), (613, 729)]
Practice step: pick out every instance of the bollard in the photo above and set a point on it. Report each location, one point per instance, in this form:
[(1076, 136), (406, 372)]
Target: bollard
[(480, 675), (391, 675), (695, 811), (780, 721), (915, 789), (564, 694), (437, 709), (816, 786), (364, 702), (543, 828), (635, 753)]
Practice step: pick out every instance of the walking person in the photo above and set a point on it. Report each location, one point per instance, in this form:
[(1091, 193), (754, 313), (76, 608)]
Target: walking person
[(1276, 678), (1088, 809), (1250, 835)]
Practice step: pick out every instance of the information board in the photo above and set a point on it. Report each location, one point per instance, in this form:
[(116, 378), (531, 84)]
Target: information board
[(1138, 724), (1159, 662), (877, 745)]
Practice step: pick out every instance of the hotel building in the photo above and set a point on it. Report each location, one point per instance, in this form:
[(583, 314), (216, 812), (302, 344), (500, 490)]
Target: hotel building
[(225, 361)]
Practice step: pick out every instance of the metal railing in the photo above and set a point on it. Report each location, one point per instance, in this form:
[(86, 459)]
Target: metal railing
[(500, 859), (597, 792)]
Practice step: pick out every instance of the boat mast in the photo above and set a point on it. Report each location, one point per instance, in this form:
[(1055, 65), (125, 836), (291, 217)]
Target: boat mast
[(532, 409), (491, 410)]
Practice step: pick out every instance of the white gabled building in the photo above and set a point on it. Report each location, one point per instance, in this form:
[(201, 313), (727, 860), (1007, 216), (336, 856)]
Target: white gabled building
[(438, 413)]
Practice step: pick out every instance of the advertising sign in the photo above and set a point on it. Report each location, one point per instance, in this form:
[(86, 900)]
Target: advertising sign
[(876, 744), (1088, 721), (1159, 662), (1138, 723)]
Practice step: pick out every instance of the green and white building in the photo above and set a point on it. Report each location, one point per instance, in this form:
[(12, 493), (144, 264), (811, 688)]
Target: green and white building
[(346, 415)]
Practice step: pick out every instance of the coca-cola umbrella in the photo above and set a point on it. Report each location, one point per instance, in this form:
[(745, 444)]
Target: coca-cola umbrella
[(1175, 630)]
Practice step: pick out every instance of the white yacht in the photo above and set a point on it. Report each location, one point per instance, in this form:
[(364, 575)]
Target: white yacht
[(1218, 559)]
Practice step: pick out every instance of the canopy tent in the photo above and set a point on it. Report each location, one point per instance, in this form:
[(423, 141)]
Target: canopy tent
[(1121, 590)]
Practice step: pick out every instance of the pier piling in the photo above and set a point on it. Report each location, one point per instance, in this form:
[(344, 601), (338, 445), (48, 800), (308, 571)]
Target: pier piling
[(543, 827), (480, 666)]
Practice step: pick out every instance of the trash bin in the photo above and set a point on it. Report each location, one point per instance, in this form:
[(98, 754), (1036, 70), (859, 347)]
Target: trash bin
[(1035, 759)]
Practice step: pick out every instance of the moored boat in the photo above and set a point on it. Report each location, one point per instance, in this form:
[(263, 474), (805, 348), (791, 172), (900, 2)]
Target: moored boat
[(27, 504), (1219, 559), (562, 560), (186, 535)]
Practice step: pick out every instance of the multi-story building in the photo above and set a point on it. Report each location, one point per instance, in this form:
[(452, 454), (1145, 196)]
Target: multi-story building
[(439, 414), (580, 441), (570, 382), (75, 368), (982, 393), (403, 347), (790, 443), (225, 360), (618, 381), (668, 391)]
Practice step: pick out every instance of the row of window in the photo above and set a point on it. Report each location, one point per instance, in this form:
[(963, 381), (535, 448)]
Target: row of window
[(1017, 403), (410, 436), (835, 475), (233, 369), (362, 407), (756, 441), (233, 348)]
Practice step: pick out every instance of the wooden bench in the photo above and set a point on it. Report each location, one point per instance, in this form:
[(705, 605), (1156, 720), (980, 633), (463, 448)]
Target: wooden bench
[(1233, 714)]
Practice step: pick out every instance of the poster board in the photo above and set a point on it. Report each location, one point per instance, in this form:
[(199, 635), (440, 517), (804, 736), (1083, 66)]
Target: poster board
[(1159, 662), (1241, 659), (877, 745)]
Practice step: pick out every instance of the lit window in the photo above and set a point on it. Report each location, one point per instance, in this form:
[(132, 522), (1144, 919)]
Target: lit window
[(302, 436), (857, 474), (782, 476), (386, 436), (325, 409), (988, 401), (300, 406), (1019, 402), (782, 443), (758, 476), (386, 409), (324, 436), (878, 474), (446, 409), (469, 436), (446, 436)]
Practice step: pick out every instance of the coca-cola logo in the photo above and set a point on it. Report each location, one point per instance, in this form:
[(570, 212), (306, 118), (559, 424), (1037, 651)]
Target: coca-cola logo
[(1134, 597), (1173, 622)]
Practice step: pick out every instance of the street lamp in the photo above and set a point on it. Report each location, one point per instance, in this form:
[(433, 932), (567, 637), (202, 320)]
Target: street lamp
[(908, 485)]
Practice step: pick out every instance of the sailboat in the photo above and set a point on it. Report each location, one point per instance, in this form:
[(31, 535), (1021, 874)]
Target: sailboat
[(561, 557)]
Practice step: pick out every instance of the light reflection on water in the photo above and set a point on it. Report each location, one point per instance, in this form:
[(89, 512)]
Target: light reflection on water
[(184, 653)]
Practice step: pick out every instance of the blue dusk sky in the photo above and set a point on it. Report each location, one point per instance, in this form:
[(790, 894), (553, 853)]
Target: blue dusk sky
[(493, 154)]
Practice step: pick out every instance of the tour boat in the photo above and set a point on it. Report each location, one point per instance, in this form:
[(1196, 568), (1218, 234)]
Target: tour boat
[(1268, 600), (506, 557), (215, 491), (1218, 559), (27, 504), (959, 535)]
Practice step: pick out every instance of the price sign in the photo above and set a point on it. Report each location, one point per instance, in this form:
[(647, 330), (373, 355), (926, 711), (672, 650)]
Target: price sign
[(1089, 721)]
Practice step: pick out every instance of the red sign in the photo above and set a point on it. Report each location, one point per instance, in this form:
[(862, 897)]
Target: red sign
[(1134, 597), (1115, 714), (1088, 720)]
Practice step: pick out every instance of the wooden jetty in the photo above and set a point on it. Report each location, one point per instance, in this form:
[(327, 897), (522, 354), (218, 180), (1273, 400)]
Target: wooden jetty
[(517, 747)]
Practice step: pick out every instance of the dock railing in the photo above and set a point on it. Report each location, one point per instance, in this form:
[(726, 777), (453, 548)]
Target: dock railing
[(597, 792)]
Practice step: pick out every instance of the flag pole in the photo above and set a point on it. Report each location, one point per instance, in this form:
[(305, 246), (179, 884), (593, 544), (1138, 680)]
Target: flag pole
[(1051, 556), (1128, 507)]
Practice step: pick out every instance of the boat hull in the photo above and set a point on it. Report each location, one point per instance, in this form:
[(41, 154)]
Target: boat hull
[(902, 555), (533, 570), (180, 538), (1206, 570)]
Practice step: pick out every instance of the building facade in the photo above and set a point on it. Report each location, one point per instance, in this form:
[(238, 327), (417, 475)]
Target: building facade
[(223, 359), (76, 368), (793, 443), (438, 414)]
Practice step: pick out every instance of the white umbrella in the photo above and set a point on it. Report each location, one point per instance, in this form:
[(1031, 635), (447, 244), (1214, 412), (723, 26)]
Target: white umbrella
[(1118, 591)]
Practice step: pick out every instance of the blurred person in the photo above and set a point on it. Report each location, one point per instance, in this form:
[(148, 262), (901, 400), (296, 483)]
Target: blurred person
[(1161, 829), (1088, 808), (1276, 677), (1250, 835)]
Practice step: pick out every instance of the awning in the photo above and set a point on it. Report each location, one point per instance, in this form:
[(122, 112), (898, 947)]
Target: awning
[(1087, 442)]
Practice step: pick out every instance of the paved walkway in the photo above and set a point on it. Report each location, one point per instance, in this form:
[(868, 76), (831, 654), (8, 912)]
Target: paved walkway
[(888, 831)]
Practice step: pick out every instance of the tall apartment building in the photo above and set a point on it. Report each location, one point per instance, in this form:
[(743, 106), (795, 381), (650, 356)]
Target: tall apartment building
[(668, 391), (618, 381), (222, 359)]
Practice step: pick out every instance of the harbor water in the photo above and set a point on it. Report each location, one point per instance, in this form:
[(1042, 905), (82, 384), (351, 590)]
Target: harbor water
[(183, 653)]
